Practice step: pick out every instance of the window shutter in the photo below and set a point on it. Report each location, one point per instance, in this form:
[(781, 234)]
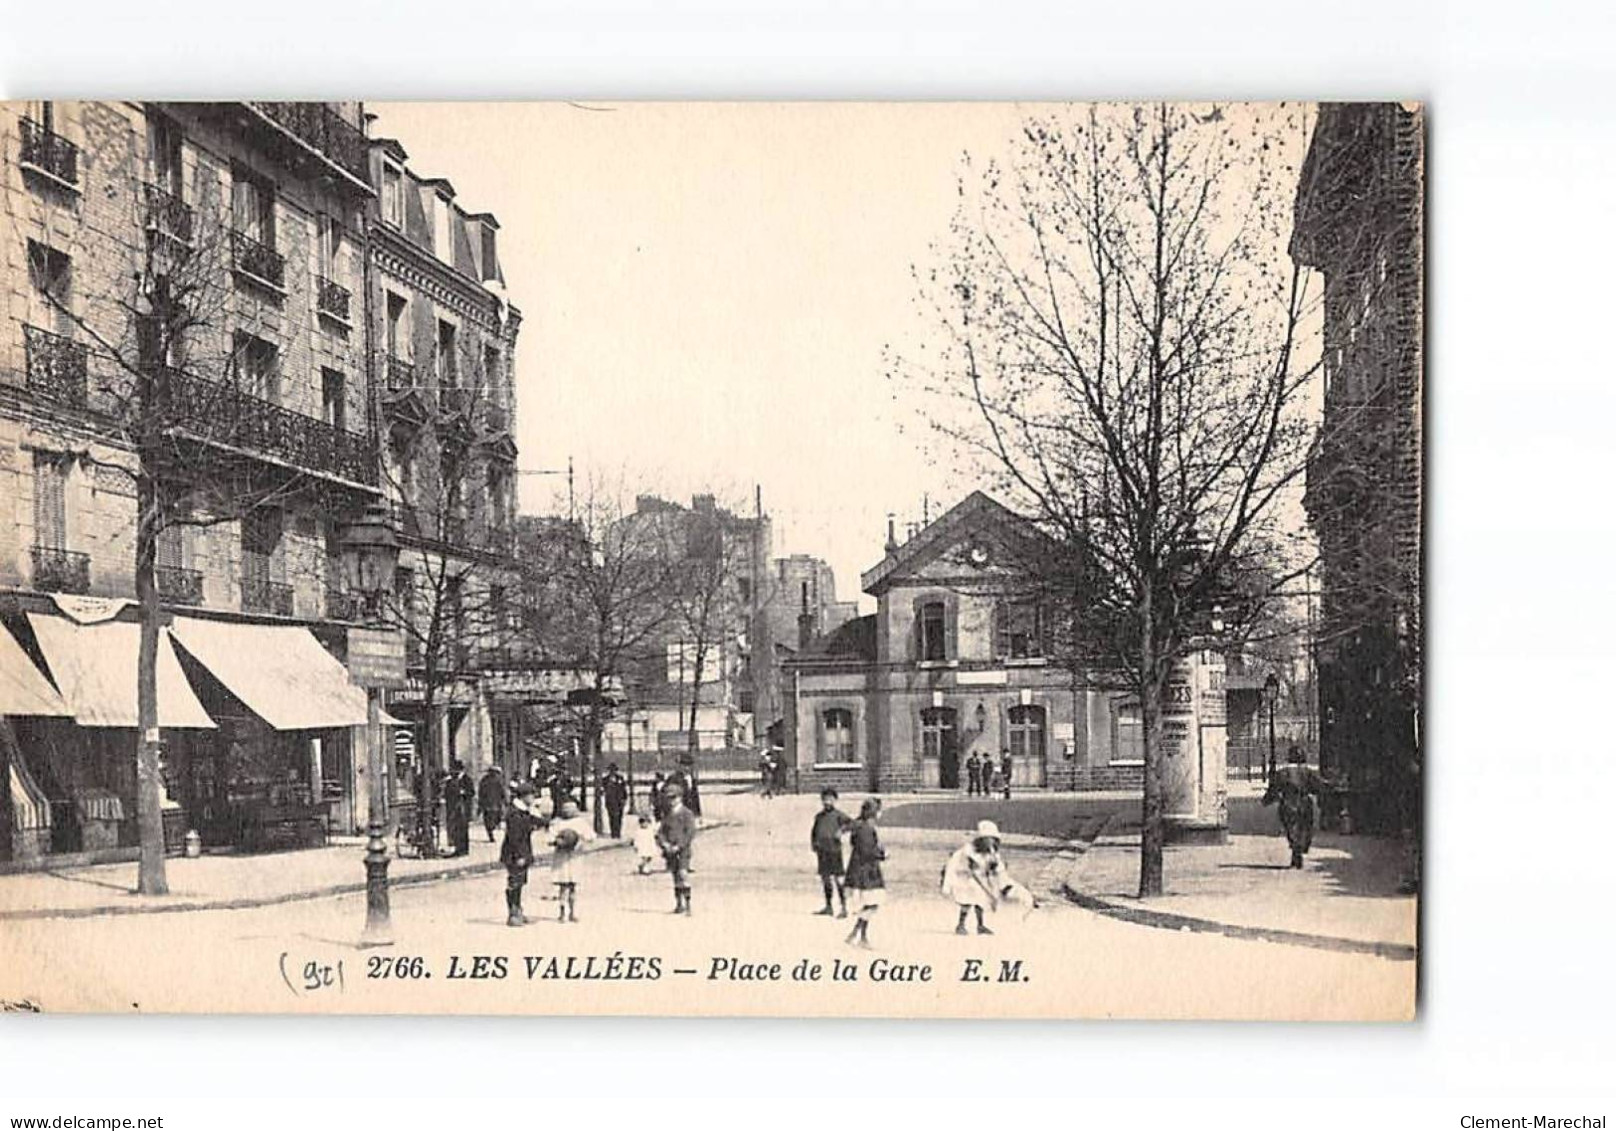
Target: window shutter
[(951, 629), (917, 632)]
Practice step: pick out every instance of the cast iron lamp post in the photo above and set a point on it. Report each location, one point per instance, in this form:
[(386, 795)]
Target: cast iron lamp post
[(370, 558), (1271, 686)]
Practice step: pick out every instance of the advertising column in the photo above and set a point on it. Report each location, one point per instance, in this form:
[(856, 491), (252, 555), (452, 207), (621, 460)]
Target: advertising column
[(1194, 750)]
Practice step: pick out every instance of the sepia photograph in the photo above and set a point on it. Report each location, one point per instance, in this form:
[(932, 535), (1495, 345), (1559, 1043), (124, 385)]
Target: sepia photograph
[(776, 559)]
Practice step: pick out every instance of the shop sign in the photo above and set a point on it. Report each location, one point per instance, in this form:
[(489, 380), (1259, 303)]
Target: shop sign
[(376, 657)]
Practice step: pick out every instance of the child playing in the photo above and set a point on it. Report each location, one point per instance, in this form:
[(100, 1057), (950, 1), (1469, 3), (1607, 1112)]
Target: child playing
[(826, 840), (645, 845), (571, 833), (971, 876), (864, 879)]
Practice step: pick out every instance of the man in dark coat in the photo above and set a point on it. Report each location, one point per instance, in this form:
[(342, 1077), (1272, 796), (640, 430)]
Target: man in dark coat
[(685, 775), (614, 792), (659, 795), (675, 836), (491, 800), (1294, 786), (973, 774), (1005, 766), (516, 853), (458, 794)]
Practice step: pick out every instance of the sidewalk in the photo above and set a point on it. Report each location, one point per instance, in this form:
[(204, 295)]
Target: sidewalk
[(1345, 898)]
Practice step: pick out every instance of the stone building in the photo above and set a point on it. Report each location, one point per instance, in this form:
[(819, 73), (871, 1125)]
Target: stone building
[(1359, 221), (955, 661), (445, 337), (211, 253)]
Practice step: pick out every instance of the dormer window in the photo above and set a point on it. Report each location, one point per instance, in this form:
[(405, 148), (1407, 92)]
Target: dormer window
[(392, 196), (442, 247)]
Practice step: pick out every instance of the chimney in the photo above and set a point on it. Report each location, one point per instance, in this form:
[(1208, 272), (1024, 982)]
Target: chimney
[(892, 533), (805, 623)]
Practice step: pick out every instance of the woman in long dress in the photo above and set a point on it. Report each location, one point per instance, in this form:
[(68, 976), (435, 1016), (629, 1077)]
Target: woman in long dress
[(864, 884)]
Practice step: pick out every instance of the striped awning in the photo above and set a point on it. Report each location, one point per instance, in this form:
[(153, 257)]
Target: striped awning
[(95, 667), (24, 690), (280, 672)]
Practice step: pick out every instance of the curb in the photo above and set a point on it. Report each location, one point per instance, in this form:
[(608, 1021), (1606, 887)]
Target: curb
[(1168, 921)]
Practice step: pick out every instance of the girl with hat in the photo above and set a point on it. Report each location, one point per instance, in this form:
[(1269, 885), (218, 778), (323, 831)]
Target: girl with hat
[(971, 876), (571, 833), (864, 884)]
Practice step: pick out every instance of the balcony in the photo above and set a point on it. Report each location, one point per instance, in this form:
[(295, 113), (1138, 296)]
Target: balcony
[(168, 216), (343, 605), (259, 261), (179, 586), (57, 367), (48, 153), (61, 571), (261, 595), (332, 299), (323, 130), (400, 377), (222, 414), (455, 402)]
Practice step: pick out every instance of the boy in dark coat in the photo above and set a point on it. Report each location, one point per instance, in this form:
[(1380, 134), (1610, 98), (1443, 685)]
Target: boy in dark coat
[(675, 836), (826, 840), (516, 853), (1294, 786)]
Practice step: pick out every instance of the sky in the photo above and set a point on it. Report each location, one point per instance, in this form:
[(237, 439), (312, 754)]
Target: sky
[(710, 293)]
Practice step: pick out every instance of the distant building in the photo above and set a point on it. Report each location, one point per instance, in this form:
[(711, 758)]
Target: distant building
[(1359, 220), (803, 583)]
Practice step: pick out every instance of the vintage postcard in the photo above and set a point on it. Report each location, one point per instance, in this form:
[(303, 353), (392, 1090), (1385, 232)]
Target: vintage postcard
[(904, 560)]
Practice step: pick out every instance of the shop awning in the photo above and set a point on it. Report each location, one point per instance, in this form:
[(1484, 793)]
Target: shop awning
[(24, 690), (95, 667), (280, 671)]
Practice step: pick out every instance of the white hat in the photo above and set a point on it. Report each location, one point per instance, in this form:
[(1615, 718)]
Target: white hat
[(988, 828)]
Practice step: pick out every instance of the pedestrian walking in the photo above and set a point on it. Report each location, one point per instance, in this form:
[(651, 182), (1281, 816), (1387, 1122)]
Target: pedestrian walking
[(458, 796), (1296, 786), (676, 837), (865, 885), (830, 824), (614, 792), (970, 878), (690, 790), (516, 853), (491, 798), (1005, 766), (645, 844), (568, 836), (973, 774)]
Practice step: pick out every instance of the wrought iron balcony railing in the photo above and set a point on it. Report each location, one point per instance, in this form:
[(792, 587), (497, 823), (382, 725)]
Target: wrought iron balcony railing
[(258, 260), (61, 571), (322, 129), (332, 298), (224, 414), (400, 376), (453, 401), (261, 595), (180, 585), (168, 215), (57, 367), (343, 605), (49, 153)]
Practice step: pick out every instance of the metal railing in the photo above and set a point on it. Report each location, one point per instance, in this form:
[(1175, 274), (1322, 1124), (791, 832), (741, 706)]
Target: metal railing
[(324, 130), (333, 298), (261, 595), (180, 585), (57, 367), (226, 415), (61, 571), (49, 152), (399, 376), (259, 260), (340, 604), (168, 215)]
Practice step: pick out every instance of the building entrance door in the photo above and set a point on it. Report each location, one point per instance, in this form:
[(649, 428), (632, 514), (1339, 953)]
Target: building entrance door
[(940, 741)]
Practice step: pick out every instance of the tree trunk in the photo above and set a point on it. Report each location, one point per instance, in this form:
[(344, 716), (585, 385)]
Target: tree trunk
[(1151, 831), (148, 758)]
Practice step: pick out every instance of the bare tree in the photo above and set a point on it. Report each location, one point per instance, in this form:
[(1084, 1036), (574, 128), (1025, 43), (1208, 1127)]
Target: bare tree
[(140, 345), (1121, 347), (703, 564)]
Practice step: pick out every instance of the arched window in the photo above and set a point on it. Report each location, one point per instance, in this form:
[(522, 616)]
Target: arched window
[(1027, 733), (836, 736)]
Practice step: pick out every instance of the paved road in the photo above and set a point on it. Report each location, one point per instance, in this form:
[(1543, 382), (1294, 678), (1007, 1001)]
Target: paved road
[(754, 898)]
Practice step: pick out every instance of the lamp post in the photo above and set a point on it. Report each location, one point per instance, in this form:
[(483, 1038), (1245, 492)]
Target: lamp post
[(1271, 686), (370, 558)]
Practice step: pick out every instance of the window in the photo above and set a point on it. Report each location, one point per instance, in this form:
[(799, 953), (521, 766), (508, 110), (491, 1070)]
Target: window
[(171, 547), (260, 538), (51, 273), (490, 256), (334, 398), (252, 206), (933, 631), (1027, 733), (397, 334), (491, 381), (258, 367), (166, 149), (937, 732), (331, 237), (50, 501), (392, 196), (1128, 734), (445, 359), (441, 245), (1019, 632), (836, 736)]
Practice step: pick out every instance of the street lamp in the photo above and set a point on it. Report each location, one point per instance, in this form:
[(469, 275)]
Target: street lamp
[(1271, 686), (370, 559)]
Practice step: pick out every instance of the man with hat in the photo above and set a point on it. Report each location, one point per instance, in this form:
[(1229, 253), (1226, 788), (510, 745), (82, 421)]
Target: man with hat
[(1295, 785), (491, 800), (614, 792), (971, 876), (516, 853)]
